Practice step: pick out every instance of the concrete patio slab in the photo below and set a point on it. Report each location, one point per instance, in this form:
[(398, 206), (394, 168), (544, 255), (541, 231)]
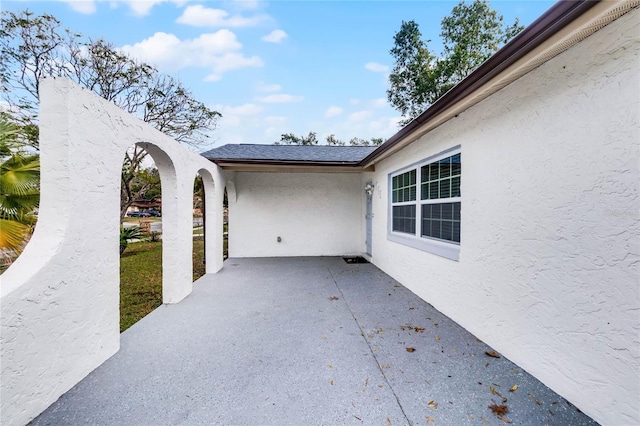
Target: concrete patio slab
[(304, 341)]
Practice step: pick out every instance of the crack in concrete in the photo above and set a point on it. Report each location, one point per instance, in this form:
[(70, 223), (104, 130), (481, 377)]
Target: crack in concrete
[(363, 335)]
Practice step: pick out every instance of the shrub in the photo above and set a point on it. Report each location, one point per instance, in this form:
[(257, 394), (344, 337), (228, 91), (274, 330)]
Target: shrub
[(127, 234)]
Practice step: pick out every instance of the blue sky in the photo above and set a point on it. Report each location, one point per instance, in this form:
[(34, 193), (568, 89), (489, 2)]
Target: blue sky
[(271, 67)]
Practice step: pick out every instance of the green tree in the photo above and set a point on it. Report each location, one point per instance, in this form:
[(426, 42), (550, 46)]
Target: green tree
[(138, 184), (19, 183), (470, 35), (413, 81), (291, 139), (331, 140)]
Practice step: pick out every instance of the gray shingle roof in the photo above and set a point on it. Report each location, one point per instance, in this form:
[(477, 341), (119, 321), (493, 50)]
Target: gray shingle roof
[(289, 153)]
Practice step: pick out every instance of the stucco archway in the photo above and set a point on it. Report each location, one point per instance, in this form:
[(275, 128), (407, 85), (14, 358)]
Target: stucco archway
[(62, 294)]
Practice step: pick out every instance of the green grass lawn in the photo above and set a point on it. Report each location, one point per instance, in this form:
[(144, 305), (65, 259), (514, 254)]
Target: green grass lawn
[(141, 279)]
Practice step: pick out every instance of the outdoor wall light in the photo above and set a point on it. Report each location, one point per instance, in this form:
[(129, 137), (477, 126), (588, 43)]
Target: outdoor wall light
[(369, 188)]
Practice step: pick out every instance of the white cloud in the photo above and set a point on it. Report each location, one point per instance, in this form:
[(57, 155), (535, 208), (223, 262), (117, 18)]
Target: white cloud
[(376, 67), (142, 8), (236, 115), (385, 125), (360, 115), (218, 51), (232, 61), (279, 99), (333, 111), (379, 103), (275, 119), (275, 36), (354, 101), (272, 132), (86, 7), (138, 7), (213, 77), (263, 87), (200, 16), (243, 110)]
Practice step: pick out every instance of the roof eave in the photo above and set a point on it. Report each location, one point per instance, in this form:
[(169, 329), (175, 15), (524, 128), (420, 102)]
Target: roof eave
[(302, 165)]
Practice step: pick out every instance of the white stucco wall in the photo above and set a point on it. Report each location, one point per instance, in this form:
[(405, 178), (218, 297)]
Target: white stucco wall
[(314, 214), (548, 271), (60, 299)]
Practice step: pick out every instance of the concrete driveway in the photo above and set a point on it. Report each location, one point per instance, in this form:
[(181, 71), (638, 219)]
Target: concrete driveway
[(304, 341)]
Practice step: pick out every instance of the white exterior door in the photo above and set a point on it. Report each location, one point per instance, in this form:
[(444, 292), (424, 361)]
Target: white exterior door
[(369, 217)]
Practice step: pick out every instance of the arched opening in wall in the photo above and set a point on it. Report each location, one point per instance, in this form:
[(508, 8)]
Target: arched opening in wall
[(206, 243), (20, 186), (140, 237), (199, 223), (230, 198)]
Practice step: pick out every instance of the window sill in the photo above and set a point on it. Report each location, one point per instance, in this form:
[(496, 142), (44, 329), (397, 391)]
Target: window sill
[(439, 248)]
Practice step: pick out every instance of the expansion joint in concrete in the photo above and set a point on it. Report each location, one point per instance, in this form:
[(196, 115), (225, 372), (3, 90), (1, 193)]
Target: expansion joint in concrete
[(364, 336)]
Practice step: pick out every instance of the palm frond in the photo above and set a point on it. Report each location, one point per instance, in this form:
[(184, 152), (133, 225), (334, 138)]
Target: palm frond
[(13, 235), (19, 174)]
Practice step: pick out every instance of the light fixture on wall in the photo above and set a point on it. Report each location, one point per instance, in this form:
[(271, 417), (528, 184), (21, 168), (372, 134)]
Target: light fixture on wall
[(368, 188)]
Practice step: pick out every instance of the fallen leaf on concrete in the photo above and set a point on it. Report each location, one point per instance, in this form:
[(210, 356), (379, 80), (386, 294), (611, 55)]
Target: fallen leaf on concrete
[(432, 404), (513, 388), (501, 396), (535, 399), (499, 410), (437, 337), (333, 298), (411, 349), (388, 420), (492, 390), (493, 354), (504, 419), (430, 419), (331, 382)]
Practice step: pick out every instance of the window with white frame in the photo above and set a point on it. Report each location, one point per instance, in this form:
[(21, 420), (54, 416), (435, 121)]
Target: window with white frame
[(426, 203)]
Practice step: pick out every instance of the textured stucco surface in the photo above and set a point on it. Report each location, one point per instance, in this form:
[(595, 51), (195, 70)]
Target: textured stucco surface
[(548, 269), (314, 214), (60, 299)]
